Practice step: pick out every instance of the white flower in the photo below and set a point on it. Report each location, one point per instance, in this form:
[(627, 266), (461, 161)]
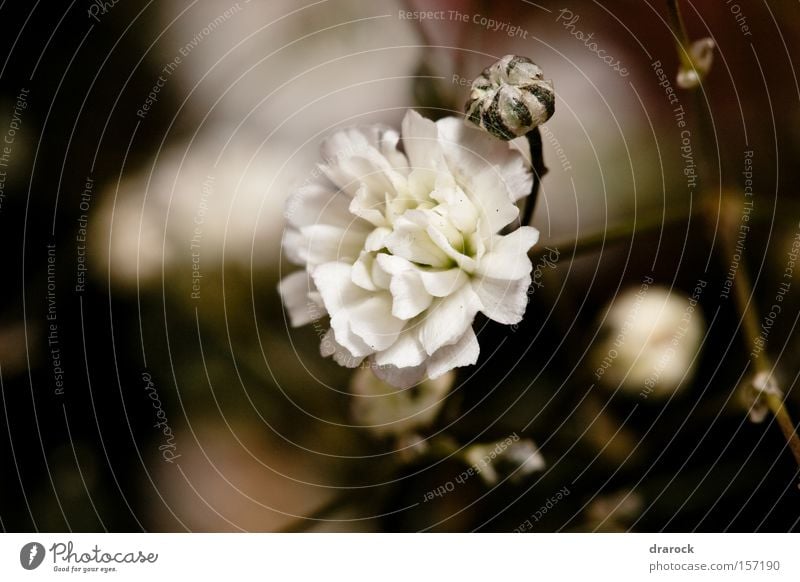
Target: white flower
[(401, 247), (651, 340), (386, 410)]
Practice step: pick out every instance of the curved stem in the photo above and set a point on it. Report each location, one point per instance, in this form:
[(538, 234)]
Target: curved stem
[(775, 404), (539, 170), (679, 30)]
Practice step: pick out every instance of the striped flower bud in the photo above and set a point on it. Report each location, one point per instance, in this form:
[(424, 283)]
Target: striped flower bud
[(510, 98)]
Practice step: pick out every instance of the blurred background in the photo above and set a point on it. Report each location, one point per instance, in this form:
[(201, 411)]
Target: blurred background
[(149, 377)]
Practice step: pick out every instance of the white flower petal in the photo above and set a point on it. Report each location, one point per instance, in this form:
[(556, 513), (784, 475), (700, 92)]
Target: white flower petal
[(421, 142), (293, 244), (356, 156), (377, 239), (492, 200), (504, 301), (448, 318), (406, 352), (400, 377), (412, 242), (318, 203), (373, 322), (361, 320), (408, 292), (361, 274), (410, 296), (294, 290), (341, 355), (507, 256), (368, 207), (467, 148), (443, 283), (464, 352), (324, 243)]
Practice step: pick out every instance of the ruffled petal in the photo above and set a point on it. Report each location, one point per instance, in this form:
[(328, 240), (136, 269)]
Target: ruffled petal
[(421, 142), (504, 301), (323, 243), (406, 352), (467, 149), (464, 352), (294, 290), (492, 200), (318, 203), (443, 283), (373, 322), (411, 241), (408, 293), (330, 347), (506, 256), (401, 377), (448, 318), (357, 156)]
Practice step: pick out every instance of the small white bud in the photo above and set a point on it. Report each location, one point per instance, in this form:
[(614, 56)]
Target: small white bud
[(701, 53)]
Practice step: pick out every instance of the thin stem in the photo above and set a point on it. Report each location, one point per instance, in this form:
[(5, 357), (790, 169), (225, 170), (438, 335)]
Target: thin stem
[(742, 291), (679, 30), (746, 307), (539, 170), (775, 404)]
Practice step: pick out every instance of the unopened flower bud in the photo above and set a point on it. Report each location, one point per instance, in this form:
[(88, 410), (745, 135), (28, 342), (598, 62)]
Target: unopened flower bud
[(754, 394), (701, 53), (510, 98)]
